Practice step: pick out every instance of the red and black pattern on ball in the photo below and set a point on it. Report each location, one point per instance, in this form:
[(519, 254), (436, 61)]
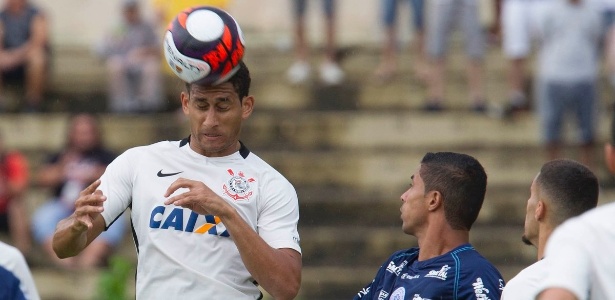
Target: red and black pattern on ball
[(222, 55)]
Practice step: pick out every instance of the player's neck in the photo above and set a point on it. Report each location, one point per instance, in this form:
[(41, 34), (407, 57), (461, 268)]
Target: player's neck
[(544, 232), (439, 242)]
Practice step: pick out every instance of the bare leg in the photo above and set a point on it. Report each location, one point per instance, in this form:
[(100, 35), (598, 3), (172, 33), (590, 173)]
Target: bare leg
[(386, 69), (435, 82), (36, 75), (516, 80), (475, 82)]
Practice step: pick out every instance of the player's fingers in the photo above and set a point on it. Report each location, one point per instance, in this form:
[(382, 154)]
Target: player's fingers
[(91, 188), (95, 199), (177, 184), (86, 210)]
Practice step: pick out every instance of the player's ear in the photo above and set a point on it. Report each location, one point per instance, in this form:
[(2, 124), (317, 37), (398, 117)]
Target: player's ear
[(185, 98), (435, 200), (540, 211), (247, 106)]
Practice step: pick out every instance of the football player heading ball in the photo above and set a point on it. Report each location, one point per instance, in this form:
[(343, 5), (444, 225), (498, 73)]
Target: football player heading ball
[(211, 220)]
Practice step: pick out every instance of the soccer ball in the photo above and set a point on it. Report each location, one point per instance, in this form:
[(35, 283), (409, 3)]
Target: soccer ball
[(204, 45)]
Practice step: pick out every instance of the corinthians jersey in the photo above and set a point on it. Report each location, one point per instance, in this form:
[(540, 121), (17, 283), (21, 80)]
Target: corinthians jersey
[(184, 254), (460, 274)]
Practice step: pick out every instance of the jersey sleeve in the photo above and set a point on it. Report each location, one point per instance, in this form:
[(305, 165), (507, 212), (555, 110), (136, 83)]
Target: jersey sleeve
[(116, 185), (483, 281), (278, 217), (568, 260)]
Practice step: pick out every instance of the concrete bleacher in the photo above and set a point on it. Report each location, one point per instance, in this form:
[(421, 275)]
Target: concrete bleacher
[(349, 159), (348, 150)]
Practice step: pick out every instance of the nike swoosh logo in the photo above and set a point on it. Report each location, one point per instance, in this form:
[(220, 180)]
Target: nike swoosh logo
[(160, 174)]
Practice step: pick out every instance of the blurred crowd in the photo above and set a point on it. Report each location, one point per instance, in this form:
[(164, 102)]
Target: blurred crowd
[(570, 57)]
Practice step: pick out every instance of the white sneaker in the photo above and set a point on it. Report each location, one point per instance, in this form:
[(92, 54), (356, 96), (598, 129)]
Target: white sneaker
[(298, 73), (331, 73)]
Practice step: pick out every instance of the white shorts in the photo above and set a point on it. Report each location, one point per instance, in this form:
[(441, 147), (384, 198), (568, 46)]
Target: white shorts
[(520, 19)]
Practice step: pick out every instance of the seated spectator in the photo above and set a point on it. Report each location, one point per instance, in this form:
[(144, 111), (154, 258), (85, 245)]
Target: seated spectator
[(132, 54), (13, 185), (83, 160), (24, 51)]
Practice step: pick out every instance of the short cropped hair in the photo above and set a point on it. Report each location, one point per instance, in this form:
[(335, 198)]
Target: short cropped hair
[(571, 187), (462, 182), (241, 81)]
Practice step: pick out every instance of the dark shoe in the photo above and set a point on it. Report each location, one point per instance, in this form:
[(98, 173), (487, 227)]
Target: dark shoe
[(433, 107), (479, 108)]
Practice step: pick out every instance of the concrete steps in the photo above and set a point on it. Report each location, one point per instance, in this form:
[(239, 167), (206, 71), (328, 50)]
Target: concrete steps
[(349, 151)]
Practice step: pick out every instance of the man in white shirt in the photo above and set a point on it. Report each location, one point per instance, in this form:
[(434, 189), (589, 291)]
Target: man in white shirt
[(561, 190), (210, 219), (581, 264)]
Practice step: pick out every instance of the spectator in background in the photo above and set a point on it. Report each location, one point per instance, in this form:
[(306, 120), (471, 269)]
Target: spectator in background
[(13, 186), (388, 63), (562, 189), (24, 51), (66, 173), (132, 54), (443, 17), (520, 29), (330, 71), (568, 65), (16, 280)]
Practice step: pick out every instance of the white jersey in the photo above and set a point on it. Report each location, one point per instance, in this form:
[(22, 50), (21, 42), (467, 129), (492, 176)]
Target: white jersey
[(15, 278), (182, 254), (525, 284), (580, 255)]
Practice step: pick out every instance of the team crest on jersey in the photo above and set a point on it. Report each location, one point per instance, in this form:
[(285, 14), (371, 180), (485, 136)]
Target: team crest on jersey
[(398, 294), (238, 187)]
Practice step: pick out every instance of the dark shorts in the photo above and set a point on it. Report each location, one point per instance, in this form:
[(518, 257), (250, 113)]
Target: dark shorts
[(328, 7), (15, 75)]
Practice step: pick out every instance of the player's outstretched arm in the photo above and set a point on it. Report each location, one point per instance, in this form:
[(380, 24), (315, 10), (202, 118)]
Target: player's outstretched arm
[(278, 271), (74, 233)]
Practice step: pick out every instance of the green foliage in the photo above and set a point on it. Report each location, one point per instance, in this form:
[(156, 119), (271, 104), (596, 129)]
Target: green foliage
[(112, 283)]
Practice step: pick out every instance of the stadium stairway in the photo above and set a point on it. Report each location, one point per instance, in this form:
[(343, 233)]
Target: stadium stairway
[(349, 151)]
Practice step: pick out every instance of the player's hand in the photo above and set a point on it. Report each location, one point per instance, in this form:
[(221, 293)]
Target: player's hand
[(88, 205), (199, 198)]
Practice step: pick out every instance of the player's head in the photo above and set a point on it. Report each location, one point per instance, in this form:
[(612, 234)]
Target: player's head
[(216, 113), (563, 189), (84, 133), (461, 182), (241, 81)]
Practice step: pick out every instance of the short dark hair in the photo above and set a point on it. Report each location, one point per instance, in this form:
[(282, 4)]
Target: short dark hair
[(571, 187), (462, 182), (241, 81)]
